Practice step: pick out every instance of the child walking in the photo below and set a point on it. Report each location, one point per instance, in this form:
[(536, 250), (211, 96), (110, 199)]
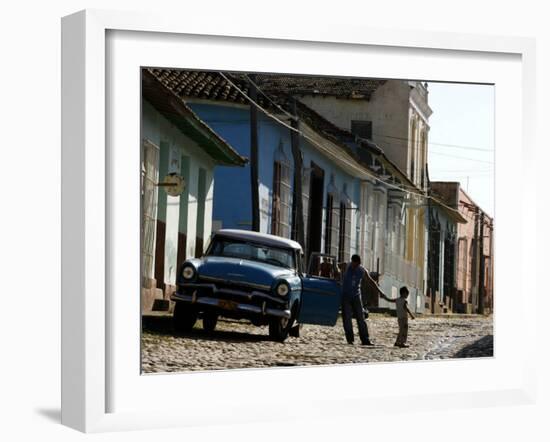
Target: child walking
[(402, 310)]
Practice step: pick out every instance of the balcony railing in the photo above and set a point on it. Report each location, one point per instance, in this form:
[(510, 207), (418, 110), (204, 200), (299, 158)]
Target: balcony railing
[(407, 272)]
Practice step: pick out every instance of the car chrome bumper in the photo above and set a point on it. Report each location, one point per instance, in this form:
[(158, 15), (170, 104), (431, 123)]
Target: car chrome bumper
[(213, 288), (235, 306)]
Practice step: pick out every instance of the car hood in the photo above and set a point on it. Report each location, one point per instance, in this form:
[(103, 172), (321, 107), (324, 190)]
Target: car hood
[(241, 270)]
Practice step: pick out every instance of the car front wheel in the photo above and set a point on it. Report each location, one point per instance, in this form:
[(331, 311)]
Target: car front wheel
[(209, 322), (280, 327), (184, 318)]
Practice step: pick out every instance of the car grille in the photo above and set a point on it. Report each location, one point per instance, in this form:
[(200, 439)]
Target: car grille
[(234, 291), (237, 285)]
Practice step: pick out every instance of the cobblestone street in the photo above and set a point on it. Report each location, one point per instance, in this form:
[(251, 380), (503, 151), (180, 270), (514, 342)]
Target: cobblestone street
[(241, 345)]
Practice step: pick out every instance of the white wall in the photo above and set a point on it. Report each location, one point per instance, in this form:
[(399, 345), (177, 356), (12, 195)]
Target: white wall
[(208, 206), (159, 130)]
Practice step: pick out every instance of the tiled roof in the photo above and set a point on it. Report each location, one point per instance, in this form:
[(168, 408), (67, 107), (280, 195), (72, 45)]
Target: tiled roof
[(360, 88), (211, 85), (175, 110), (204, 84), (446, 191), (445, 196)]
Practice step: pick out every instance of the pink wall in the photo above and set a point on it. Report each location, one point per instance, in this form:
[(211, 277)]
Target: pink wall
[(467, 260)]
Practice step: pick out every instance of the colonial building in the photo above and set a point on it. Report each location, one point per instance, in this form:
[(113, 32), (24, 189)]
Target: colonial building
[(442, 223), (354, 197), (179, 153), (393, 114), (473, 253)]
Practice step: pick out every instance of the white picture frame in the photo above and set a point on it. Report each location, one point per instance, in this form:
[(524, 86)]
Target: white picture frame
[(91, 320)]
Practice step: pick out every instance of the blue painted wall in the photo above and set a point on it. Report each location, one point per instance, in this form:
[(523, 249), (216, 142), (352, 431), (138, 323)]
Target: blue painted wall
[(232, 196)]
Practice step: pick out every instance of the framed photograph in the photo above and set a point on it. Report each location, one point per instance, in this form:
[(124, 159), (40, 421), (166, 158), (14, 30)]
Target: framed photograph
[(259, 221)]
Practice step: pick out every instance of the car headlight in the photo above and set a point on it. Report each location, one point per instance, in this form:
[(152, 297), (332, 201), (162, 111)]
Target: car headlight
[(188, 272), (282, 289)]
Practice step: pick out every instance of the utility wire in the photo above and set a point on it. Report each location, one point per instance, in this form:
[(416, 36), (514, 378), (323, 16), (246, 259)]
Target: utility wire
[(459, 146), (432, 143), (306, 136), (460, 158), (378, 134), (270, 115), (288, 114), (405, 190), (466, 172), (430, 151), (395, 186)]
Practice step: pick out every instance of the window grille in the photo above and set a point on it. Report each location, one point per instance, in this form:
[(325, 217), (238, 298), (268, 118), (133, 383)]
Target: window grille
[(280, 214), (344, 240), (305, 203), (329, 223), (149, 196)]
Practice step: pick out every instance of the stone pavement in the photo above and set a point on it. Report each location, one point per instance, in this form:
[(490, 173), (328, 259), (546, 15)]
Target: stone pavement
[(238, 344)]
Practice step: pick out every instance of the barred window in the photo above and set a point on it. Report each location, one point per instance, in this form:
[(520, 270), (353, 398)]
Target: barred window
[(149, 202), (344, 240), (329, 223), (332, 225), (305, 203), (280, 213)]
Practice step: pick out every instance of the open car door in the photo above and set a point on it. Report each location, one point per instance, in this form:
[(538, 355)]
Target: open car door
[(321, 291)]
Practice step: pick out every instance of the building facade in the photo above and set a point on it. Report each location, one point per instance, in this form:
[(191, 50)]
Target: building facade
[(394, 115), (330, 179), (177, 147), (473, 251), (442, 227), (360, 161)]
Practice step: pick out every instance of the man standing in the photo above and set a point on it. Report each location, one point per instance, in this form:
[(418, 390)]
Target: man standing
[(351, 300)]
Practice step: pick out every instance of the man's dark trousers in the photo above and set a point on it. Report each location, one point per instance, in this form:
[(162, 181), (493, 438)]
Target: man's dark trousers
[(352, 306)]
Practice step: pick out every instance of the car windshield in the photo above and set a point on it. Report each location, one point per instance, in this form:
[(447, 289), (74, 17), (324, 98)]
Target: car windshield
[(252, 251)]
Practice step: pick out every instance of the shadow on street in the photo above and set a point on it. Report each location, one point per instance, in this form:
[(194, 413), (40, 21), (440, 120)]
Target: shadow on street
[(162, 325), (481, 348)]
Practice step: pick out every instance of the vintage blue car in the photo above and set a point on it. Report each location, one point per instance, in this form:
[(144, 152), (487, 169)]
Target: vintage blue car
[(258, 277)]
